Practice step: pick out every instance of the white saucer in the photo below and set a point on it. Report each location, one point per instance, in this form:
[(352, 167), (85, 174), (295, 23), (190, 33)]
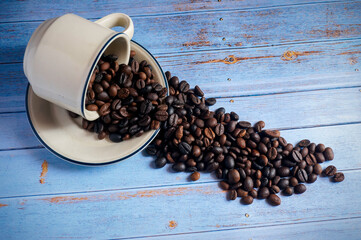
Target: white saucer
[(64, 137)]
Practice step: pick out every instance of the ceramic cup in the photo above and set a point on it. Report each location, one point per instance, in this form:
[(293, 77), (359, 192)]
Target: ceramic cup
[(63, 52)]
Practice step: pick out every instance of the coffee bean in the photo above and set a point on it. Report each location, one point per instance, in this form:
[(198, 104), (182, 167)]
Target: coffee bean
[(92, 107), (172, 119), (328, 153), (283, 183), (179, 167), (320, 148), (183, 86), (259, 126), (317, 169), (283, 171), (247, 200), (320, 157), (274, 200), (233, 176), (198, 91), (330, 171), (244, 124), (211, 101), (184, 148), (263, 193), (338, 177), (293, 181), (288, 191), (272, 133), (195, 176), (304, 143), (312, 178), (160, 162), (296, 156), (233, 195), (224, 185), (302, 175), (161, 115), (300, 188), (115, 137), (248, 183)]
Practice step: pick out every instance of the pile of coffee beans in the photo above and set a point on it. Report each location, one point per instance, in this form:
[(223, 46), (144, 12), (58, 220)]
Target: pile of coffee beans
[(126, 97), (250, 161)]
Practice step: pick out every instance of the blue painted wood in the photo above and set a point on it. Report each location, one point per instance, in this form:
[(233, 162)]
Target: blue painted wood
[(331, 229), (20, 170), (39, 10), (131, 199), (171, 210), (289, 110), (204, 31), (310, 66)]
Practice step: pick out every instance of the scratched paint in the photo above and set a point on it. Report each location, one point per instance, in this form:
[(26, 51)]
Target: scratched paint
[(3, 205), (44, 171), (231, 59), (172, 224), (200, 39)]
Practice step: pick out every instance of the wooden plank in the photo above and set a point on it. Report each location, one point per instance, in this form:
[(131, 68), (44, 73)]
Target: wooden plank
[(35, 10), (289, 110), (331, 229), (253, 71), (205, 31), (171, 210), (20, 171)]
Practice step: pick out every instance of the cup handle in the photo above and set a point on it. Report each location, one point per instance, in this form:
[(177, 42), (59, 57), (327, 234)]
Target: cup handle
[(118, 19)]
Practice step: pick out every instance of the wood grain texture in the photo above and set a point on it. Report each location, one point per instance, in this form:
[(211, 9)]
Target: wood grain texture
[(348, 228), (238, 72), (21, 170), (25, 10), (288, 110), (204, 31), (161, 211)]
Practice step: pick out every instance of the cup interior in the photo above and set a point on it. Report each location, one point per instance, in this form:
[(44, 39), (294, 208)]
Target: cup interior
[(119, 46)]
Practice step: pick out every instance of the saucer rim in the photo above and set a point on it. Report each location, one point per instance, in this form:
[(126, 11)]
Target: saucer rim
[(88, 163)]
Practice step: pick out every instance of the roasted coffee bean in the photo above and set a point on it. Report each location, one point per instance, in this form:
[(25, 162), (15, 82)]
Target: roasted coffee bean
[(296, 156), (274, 200), (300, 188), (312, 178), (198, 91), (274, 189), (302, 175), (233, 195), (304, 143), (328, 153), (233, 176), (293, 181), (195, 176), (247, 200), (272, 133), (244, 124), (288, 191), (263, 193), (320, 157), (179, 167), (160, 162), (317, 169), (330, 171), (320, 148), (338, 177), (224, 185), (247, 183), (283, 171), (115, 137), (283, 183), (92, 107), (211, 101), (161, 115), (183, 86)]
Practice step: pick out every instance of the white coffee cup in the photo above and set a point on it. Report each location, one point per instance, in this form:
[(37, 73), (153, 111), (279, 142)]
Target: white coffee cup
[(63, 52)]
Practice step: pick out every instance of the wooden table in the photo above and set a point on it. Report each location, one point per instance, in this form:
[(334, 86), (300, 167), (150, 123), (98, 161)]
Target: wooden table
[(294, 64)]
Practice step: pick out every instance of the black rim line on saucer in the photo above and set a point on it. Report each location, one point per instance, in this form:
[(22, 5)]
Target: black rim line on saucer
[(93, 164)]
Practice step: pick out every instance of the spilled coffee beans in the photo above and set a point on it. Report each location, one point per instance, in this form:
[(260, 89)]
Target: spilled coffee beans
[(250, 162)]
